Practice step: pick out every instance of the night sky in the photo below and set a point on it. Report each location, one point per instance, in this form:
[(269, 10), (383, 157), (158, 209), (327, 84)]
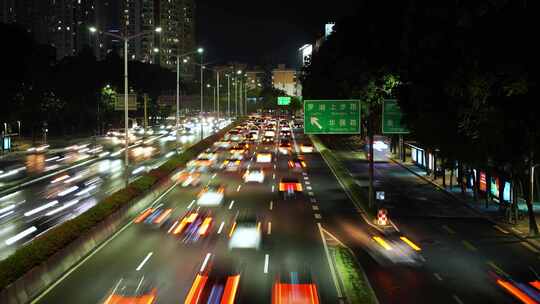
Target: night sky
[(257, 32)]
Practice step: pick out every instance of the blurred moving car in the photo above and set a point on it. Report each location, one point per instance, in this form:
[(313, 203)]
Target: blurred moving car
[(132, 292), (231, 165), (296, 164), (193, 225), (306, 148), (263, 157), (245, 233), (156, 216), (295, 288), (289, 186), (214, 284), (254, 175), (285, 147), (211, 195)]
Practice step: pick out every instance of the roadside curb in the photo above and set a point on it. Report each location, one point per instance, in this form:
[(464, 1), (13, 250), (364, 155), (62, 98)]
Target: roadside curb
[(475, 210)]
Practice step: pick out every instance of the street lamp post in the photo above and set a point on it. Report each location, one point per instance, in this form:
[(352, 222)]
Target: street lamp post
[(200, 51), (228, 95), (126, 38), (217, 93)]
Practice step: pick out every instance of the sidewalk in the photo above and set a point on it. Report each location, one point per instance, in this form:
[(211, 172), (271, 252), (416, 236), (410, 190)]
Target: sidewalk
[(491, 210)]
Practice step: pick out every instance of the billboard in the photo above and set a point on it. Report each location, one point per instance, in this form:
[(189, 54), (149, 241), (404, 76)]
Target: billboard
[(132, 102)]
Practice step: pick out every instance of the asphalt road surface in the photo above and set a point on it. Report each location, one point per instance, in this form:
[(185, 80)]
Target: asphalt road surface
[(290, 241)]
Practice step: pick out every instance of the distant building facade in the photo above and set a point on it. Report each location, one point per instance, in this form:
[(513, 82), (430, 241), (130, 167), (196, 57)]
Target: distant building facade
[(285, 79)]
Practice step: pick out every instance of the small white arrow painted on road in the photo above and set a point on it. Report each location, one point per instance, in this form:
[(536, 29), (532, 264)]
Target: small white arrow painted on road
[(315, 121)]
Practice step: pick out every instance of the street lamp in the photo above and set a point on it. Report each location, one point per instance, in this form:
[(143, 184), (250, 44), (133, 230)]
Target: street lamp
[(185, 60), (126, 38)]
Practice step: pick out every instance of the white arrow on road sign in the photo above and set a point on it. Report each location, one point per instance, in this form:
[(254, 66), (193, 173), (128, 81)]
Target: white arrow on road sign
[(315, 121)]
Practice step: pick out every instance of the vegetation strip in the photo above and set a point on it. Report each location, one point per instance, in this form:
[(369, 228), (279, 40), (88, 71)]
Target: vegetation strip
[(355, 284), (53, 241)]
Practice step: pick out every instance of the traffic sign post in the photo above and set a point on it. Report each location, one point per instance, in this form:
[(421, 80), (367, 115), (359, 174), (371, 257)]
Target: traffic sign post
[(391, 118), (332, 117)]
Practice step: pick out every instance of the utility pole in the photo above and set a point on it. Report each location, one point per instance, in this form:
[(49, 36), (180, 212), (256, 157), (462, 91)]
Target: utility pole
[(229, 96), (218, 108), (370, 156), (235, 97), (240, 97)]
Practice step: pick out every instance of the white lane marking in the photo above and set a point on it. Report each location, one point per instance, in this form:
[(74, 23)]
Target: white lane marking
[(275, 167), (313, 200), (274, 176), (304, 173), (317, 216), (315, 207), (311, 193), (221, 227), (39, 209), (231, 205), (437, 276), (273, 188), (330, 263), (457, 299), (144, 261), (269, 228), (266, 262), (500, 229), (203, 266), (190, 204), (309, 188), (271, 205), (238, 189), (530, 247), (307, 183), (172, 227), (214, 176), (306, 177)]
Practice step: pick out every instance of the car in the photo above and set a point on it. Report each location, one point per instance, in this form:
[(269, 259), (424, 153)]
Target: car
[(154, 216), (245, 233), (289, 186), (268, 140), (224, 144), (298, 125), (231, 165), (296, 164), (243, 145), (254, 135), (254, 175), (211, 195), (294, 288), (188, 178), (285, 147), (284, 133), (132, 291), (234, 135), (263, 157), (237, 150), (192, 226), (216, 283), (306, 148)]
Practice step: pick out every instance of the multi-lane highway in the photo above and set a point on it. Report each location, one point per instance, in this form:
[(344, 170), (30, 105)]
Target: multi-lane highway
[(291, 243), (68, 190)]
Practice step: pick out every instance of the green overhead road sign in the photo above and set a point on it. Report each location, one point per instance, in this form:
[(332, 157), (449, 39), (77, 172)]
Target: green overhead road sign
[(332, 116), (283, 100), (391, 122)]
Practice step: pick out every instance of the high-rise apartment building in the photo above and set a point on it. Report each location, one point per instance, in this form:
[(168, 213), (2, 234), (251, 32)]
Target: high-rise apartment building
[(65, 25), (176, 18)]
